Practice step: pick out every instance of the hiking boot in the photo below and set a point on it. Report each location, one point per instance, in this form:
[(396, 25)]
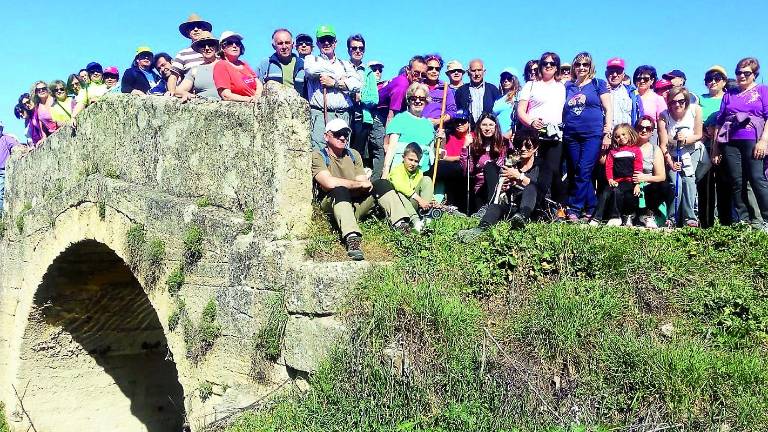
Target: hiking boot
[(403, 226), (480, 212), (613, 222), (353, 247), (517, 221), (469, 235), (650, 222)]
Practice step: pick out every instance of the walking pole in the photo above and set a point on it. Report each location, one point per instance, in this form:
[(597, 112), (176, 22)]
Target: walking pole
[(677, 176), (438, 141), (325, 105)]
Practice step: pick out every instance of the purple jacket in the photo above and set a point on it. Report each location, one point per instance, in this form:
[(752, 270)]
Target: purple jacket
[(392, 95), (7, 143), (432, 110), (753, 103)]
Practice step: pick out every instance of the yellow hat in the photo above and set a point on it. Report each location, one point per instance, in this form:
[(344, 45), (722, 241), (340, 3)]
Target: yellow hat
[(717, 68), (143, 49)]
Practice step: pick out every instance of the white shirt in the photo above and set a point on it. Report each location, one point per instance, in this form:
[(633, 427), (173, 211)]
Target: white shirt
[(341, 70), (545, 100)]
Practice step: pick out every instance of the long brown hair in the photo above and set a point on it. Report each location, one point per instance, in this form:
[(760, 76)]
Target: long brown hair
[(495, 143)]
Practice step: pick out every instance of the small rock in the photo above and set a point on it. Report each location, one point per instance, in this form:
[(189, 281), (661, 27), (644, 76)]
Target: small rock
[(667, 330)]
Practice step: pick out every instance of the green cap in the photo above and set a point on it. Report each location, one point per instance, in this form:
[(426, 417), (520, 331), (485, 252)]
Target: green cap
[(325, 30)]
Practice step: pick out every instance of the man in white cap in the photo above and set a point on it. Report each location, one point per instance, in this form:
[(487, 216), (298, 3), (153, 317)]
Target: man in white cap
[(455, 72), (330, 83), (193, 28), (346, 193), (627, 105), (377, 68)]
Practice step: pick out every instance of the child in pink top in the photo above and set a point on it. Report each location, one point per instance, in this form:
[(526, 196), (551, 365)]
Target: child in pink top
[(624, 160)]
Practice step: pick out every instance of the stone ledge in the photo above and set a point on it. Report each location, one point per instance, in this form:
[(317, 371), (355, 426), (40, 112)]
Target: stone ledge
[(323, 289), (308, 341)]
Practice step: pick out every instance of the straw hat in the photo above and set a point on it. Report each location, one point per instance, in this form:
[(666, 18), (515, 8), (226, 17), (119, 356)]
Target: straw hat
[(194, 20)]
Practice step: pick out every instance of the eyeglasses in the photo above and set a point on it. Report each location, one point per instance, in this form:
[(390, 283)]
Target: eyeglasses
[(377, 68), (208, 46), (228, 43), (642, 128), (41, 89), (643, 79), (304, 43), (344, 133), (679, 102), (26, 102), (746, 74), (712, 78), (583, 64), (326, 40), (433, 68), (417, 74), (60, 90), (453, 71), (417, 99), (565, 70), (552, 64), (357, 48)]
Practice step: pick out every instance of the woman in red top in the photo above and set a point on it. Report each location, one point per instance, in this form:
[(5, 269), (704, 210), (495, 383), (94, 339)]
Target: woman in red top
[(234, 78), (451, 182)]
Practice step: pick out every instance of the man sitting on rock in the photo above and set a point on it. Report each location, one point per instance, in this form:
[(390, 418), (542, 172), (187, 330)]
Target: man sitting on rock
[(346, 192)]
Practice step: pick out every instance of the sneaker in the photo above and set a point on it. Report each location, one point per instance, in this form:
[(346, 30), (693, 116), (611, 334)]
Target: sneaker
[(669, 224), (613, 222), (593, 222), (403, 226), (629, 221), (480, 212), (418, 225), (693, 223), (353, 247), (572, 217), (469, 235), (650, 222), (517, 221)]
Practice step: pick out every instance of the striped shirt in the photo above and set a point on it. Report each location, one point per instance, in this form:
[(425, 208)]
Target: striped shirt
[(185, 60)]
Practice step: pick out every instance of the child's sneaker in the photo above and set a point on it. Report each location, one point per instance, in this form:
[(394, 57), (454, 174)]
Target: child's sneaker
[(669, 224), (353, 247), (613, 222), (593, 222), (650, 222)]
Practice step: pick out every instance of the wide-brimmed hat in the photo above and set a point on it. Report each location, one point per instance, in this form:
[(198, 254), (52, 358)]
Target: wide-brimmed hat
[(207, 37), (194, 20), (229, 35), (717, 68)]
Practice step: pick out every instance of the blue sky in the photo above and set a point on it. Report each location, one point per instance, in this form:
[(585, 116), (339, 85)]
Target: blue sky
[(48, 40)]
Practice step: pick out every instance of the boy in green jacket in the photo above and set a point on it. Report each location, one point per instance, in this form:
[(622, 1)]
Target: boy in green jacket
[(413, 187)]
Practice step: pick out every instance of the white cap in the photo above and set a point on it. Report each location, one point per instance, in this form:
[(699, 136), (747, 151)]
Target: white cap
[(336, 125), (375, 63), (229, 34)]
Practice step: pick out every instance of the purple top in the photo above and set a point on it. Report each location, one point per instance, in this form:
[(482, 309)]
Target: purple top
[(476, 165), (7, 142), (392, 95), (753, 102), (432, 110)]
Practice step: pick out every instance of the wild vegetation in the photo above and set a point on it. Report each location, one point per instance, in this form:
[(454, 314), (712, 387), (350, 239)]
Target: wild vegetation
[(550, 328)]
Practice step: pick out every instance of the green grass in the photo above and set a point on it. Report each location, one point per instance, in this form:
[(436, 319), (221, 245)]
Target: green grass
[(553, 327), (193, 245), (199, 339), (3, 422), (175, 281), (268, 341)]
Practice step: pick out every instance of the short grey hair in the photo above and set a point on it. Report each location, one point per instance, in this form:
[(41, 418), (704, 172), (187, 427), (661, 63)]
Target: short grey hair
[(413, 88)]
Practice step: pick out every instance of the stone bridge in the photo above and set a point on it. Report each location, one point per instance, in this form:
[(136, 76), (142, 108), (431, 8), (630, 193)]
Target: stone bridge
[(152, 268)]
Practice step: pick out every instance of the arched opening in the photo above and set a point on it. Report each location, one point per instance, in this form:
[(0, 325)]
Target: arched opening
[(94, 355)]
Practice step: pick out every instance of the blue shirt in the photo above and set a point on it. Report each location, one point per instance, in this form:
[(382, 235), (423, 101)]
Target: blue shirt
[(583, 112)]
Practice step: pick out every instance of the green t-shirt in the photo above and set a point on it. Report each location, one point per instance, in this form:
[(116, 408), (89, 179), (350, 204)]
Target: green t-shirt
[(412, 129), (710, 106), (288, 72)]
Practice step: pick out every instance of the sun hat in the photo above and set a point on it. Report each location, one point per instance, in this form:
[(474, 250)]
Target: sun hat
[(453, 65), (325, 30), (509, 71), (194, 20), (229, 35), (336, 125), (206, 37), (717, 68)]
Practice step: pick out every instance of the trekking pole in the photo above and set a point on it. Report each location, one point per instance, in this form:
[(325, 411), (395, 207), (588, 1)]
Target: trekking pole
[(325, 105), (439, 140), (678, 155)]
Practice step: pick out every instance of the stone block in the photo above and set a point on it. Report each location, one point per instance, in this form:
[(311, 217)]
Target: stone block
[(308, 340), (321, 289)]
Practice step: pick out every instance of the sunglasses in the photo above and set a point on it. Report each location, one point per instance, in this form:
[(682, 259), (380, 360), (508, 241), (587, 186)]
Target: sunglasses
[(552, 64), (377, 68), (26, 102), (746, 74), (417, 99), (344, 133), (60, 90), (615, 71), (417, 74), (526, 145), (583, 64), (565, 70), (326, 40), (357, 49), (208, 45), (433, 68), (713, 78), (228, 43), (41, 89), (453, 71), (645, 128), (679, 102), (643, 79), (144, 57), (304, 43)]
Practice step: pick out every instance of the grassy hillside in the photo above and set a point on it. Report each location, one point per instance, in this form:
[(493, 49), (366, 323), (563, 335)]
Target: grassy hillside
[(550, 328)]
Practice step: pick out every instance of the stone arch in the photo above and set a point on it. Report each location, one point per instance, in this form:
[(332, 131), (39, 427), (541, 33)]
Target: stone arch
[(94, 354)]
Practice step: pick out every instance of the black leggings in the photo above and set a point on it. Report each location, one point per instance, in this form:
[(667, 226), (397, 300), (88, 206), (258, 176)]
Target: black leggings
[(552, 176), (524, 201)]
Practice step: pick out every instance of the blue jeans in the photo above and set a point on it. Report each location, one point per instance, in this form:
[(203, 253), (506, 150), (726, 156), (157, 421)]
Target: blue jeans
[(583, 153), (2, 190)]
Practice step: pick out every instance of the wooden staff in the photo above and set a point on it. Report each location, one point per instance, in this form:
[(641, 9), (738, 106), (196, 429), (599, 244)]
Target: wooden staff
[(438, 141), (325, 105)]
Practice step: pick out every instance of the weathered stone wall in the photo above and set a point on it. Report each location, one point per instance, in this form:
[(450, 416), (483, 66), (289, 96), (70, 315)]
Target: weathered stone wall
[(237, 174)]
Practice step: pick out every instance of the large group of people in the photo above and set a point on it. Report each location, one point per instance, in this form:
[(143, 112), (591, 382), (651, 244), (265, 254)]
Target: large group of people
[(557, 142)]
